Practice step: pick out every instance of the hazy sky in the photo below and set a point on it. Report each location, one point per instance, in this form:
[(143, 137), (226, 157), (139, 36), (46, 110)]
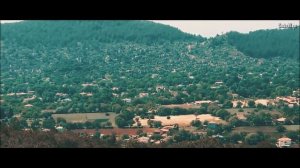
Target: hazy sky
[(212, 28)]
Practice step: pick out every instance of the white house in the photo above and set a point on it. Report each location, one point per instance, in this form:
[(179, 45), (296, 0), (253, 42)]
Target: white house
[(28, 105), (202, 102)]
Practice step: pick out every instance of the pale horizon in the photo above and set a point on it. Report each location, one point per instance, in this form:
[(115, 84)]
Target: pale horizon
[(211, 28)]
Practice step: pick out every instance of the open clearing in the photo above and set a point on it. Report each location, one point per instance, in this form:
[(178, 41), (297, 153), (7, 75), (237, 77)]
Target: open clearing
[(117, 131), (183, 120), (83, 117)]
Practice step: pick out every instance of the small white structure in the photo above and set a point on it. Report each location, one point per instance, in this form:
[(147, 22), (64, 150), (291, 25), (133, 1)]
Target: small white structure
[(202, 102), (159, 88), (28, 105), (11, 94), (21, 94), (218, 83), (45, 130), (29, 99), (88, 84), (127, 100), (59, 128), (281, 119), (86, 94), (284, 142), (61, 94)]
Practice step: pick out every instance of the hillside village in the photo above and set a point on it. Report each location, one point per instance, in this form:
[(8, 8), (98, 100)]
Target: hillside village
[(125, 86)]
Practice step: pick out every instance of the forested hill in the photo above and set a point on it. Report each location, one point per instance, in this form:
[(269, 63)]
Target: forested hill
[(67, 33), (267, 43), (73, 66)]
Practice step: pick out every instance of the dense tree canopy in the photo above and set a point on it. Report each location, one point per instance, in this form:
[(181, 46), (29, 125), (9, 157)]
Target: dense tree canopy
[(268, 43)]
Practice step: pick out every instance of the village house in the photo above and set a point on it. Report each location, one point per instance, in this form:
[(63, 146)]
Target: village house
[(86, 94), (154, 76), (212, 125), (88, 84), (218, 83), (89, 94), (284, 142), (141, 95), (291, 101), (143, 139), (21, 94), (48, 111), (234, 96), (202, 102), (235, 103), (66, 100), (115, 88), (46, 130), (28, 99), (264, 102), (59, 128), (28, 105), (296, 93), (115, 95), (281, 120), (159, 88), (10, 94), (127, 100), (61, 94), (166, 129)]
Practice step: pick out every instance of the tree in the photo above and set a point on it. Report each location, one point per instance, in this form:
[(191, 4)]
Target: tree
[(157, 124), (251, 104), (156, 137), (15, 123), (280, 128), (23, 123), (234, 138), (49, 123), (35, 124), (120, 121), (205, 122), (61, 120), (196, 123), (227, 104), (125, 136), (224, 114), (182, 135), (239, 104), (97, 124), (252, 139), (294, 135)]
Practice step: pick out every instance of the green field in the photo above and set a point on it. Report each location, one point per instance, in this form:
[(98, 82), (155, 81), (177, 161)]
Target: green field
[(264, 129), (249, 110)]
